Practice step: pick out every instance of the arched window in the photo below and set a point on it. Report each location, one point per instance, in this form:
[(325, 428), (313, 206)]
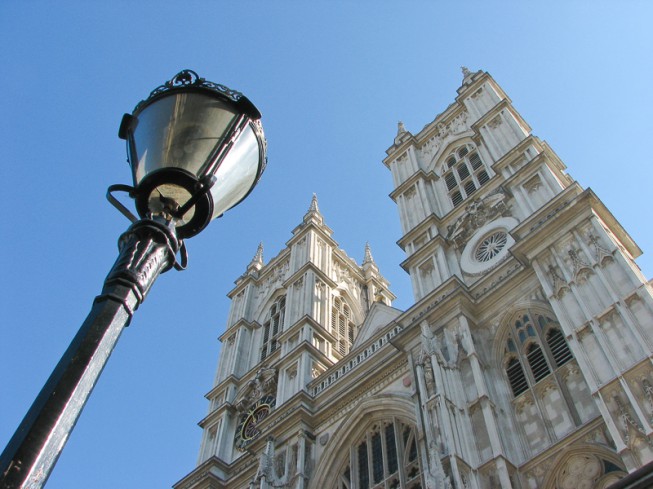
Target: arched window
[(342, 327), (535, 348), (383, 457), (273, 326), (464, 172)]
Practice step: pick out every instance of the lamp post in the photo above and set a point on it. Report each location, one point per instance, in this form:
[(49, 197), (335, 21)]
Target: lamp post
[(196, 149)]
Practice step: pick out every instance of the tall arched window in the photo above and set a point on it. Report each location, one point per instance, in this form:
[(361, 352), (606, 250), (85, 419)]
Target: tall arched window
[(273, 326), (464, 172), (535, 348), (342, 327), (384, 457)]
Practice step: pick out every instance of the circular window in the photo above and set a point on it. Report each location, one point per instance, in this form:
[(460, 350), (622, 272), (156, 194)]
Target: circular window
[(491, 246), (488, 246)]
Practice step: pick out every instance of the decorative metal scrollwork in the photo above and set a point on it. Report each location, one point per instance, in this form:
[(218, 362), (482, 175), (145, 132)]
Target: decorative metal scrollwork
[(188, 78)]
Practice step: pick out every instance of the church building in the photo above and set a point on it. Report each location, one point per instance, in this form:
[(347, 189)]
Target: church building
[(524, 362)]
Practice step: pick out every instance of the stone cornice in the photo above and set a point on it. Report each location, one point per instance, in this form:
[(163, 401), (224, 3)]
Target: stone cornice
[(203, 477), (349, 365), (517, 151), (345, 395), (410, 181), (448, 294), (250, 325), (428, 131), (301, 230), (428, 247), (563, 212), (231, 380), (477, 80), (421, 228), (306, 267), (498, 278)]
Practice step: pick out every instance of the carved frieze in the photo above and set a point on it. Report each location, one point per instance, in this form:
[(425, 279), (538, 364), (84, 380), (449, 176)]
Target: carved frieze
[(455, 126), (478, 213)]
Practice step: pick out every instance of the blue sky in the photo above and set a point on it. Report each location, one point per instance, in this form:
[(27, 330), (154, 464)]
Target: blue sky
[(331, 79)]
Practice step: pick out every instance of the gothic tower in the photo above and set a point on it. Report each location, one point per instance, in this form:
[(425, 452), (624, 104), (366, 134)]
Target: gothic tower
[(525, 361), (290, 320)]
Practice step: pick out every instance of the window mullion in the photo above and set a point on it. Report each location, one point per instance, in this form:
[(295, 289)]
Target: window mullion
[(370, 465), (399, 443)]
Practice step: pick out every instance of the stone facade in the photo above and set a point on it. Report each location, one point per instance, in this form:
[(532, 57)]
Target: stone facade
[(525, 361)]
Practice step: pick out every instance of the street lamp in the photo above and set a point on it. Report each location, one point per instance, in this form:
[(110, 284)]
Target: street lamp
[(196, 149)]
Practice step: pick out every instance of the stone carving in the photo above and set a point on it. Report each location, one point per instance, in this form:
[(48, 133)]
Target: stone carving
[(629, 424), (533, 184), (495, 122), (456, 126), (581, 470), (478, 213), (648, 393), (601, 255), (266, 461), (447, 354), (264, 383), (435, 477), (271, 468), (343, 275), (581, 268), (427, 338), (558, 284), (274, 278)]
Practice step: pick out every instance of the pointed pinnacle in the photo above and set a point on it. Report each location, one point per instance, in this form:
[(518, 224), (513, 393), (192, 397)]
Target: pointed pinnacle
[(313, 207), (368, 254), (257, 261)]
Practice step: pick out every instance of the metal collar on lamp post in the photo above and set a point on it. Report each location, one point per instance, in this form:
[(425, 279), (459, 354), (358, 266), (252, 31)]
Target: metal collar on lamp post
[(196, 149)]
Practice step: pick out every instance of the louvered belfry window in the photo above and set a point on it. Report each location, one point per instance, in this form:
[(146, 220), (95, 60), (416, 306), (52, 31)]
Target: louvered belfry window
[(558, 346), (273, 327), (342, 327), (464, 173), (516, 377), (535, 349)]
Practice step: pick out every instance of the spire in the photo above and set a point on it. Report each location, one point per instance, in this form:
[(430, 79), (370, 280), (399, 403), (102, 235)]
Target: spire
[(257, 262), (314, 207), (368, 254), (369, 266), (313, 214)]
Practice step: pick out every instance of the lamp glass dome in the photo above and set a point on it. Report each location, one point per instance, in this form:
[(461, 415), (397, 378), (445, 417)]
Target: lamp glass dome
[(196, 150), (182, 130)]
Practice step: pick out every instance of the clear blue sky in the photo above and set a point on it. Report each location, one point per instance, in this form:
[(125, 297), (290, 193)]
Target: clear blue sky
[(331, 79)]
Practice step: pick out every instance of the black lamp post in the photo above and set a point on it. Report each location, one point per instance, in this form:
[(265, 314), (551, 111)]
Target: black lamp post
[(196, 149)]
